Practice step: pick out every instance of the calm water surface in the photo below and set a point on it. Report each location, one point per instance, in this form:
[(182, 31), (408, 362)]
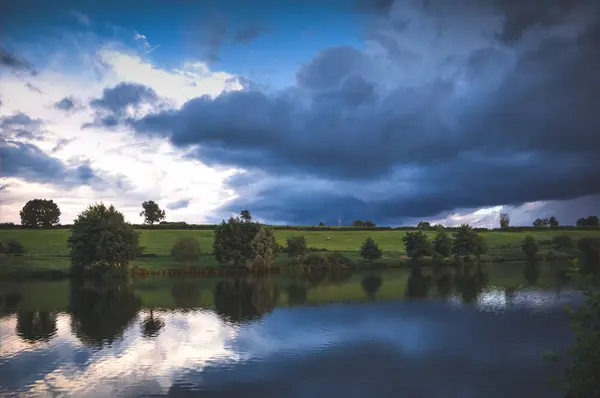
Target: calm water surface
[(387, 334)]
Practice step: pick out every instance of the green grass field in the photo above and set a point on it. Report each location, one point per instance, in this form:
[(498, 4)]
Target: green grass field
[(47, 250)]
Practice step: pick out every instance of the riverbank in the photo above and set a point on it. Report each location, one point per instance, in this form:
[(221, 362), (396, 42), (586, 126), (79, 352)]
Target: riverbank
[(47, 251)]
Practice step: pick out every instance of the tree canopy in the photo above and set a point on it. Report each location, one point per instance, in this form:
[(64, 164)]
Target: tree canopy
[(40, 213), (152, 212), (101, 239), (232, 243), (370, 250)]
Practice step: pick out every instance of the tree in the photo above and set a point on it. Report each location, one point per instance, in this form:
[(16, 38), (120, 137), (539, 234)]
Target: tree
[(152, 213), (562, 242), (539, 222), (296, 246), (553, 222), (357, 223), (442, 244), (264, 248), (465, 241), (245, 215), (321, 224), (424, 225), (530, 247), (504, 220), (417, 245), (232, 242), (368, 224), (102, 240), (40, 213), (591, 221), (185, 249), (370, 250)]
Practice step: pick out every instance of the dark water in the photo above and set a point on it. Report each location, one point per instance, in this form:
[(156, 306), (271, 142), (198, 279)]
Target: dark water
[(392, 334)]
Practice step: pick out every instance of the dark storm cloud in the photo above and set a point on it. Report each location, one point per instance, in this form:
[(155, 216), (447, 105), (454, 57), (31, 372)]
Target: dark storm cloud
[(111, 108), (27, 161), (447, 107), (13, 62), (66, 104), (115, 100), (178, 204)]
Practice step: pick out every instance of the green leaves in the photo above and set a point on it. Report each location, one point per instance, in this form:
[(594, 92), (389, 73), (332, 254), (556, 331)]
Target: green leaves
[(40, 213), (370, 250), (417, 245)]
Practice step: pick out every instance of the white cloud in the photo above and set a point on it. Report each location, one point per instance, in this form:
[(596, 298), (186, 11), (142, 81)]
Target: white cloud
[(153, 169)]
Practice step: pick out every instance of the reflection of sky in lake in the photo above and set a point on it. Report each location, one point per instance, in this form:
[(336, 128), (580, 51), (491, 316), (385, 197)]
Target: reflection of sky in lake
[(425, 348)]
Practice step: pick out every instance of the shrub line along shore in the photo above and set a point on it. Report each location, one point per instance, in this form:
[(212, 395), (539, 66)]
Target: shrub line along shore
[(47, 250)]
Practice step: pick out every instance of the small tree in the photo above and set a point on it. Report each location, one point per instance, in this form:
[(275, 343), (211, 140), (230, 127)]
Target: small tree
[(185, 249), (232, 242), (152, 213), (296, 246), (504, 220), (101, 239), (370, 250), (264, 248), (245, 215), (530, 247), (368, 224), (424, 225), (562, 242), (417, 245), (442, 244), (357, 223), (321, 224), (40, 213), (553, 222), (465, 241)]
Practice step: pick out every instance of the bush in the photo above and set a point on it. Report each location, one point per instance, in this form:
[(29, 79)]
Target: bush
[(185, 249), (370, 250), (296, 246), (12, 247), (417, 245), (102, 240), (562, 242), (232, 242), (264, 248), (442, 244), (530, 247), (465, 241)]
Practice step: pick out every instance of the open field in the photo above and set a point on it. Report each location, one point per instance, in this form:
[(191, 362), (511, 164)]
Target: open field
[(47, 250)]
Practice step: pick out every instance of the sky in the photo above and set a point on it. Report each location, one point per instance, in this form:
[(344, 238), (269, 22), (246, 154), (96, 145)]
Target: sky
[(303, 111)]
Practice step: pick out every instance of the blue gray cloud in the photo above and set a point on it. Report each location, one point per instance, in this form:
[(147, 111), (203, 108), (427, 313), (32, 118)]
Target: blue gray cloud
[(66, 104), (178, 204)]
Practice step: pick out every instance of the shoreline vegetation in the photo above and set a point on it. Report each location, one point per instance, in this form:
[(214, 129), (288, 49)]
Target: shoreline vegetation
[(101, 243), (47, 253)]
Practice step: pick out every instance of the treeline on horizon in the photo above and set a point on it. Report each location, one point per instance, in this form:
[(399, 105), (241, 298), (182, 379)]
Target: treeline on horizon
[(44, 213)]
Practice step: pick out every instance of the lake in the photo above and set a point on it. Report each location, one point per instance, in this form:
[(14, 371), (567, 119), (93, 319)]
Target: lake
[(394, 333)]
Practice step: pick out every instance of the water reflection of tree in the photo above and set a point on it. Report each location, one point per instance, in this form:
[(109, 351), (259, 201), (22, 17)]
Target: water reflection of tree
[(444, 285), (151, 326), (371, 284), (245, 299), (9, 303), (470, 282), (297, 294), (531, 273), (186, 294), (36, 326), (101, 311), (418, 284)]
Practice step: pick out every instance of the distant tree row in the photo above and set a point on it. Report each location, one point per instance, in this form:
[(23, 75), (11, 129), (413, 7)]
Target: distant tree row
[(43, 213), (591, 221), (360, 223), (546, 222)]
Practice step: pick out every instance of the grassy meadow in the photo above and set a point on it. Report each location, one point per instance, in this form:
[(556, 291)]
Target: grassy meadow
[(47, 250)]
